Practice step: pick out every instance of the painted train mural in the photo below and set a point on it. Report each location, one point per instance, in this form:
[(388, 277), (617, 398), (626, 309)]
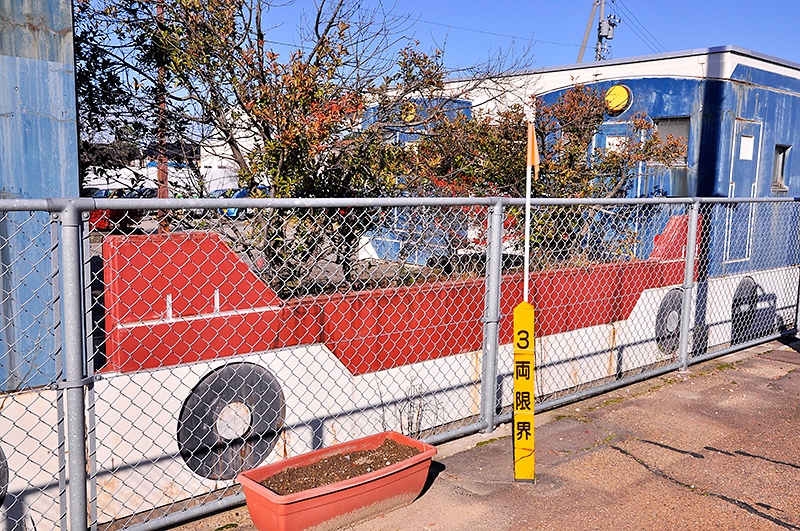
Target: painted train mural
[(208, 371)]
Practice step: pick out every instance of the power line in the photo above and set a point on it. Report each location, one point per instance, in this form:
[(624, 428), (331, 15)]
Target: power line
[(638, 33), (640, 30), (496, 34), (461, 28), (295, 46), (449, 26)]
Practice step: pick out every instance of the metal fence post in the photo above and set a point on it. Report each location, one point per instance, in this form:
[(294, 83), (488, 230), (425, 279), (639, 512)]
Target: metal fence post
[(491, 319), (796, 326), (688, 284), (74, 366)]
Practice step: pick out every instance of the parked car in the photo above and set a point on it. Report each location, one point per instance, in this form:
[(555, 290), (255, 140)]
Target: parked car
[(241, 193), (233, 193), (102, 219), (144, 193), (107, 219)]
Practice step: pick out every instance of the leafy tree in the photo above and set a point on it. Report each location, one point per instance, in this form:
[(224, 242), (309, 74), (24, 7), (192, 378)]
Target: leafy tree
[(310, 123), (482, 154), (119, 116), (485, 154), (475, 154), (570, 167), (109, 139)]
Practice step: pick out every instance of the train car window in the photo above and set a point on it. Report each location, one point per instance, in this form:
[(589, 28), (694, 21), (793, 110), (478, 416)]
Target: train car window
[(665, 181), (746, 146), (779, 169), (613, 143), (669, 181), (678, 127)]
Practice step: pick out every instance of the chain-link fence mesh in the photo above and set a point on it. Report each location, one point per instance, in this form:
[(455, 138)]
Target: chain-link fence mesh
[(598, 277), (746, 279), (31, 411), (219, 339), (263, 333)]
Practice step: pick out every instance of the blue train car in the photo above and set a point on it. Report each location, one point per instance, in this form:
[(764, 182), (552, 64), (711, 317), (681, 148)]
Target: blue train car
[(738, 111)]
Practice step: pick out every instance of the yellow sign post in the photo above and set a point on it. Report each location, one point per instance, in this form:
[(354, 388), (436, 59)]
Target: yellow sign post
[(524, 359), (524, 461)]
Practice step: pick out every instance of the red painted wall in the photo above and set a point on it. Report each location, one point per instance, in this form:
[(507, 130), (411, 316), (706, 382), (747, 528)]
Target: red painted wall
[(368, 330)]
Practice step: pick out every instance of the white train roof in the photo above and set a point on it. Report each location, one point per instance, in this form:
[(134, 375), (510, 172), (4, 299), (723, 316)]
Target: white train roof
[(704, 63)]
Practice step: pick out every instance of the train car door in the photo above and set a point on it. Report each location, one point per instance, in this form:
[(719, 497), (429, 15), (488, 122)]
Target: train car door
[(745, 161)]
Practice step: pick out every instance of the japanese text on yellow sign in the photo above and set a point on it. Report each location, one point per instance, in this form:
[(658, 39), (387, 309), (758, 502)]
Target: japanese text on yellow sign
[(524, 461)]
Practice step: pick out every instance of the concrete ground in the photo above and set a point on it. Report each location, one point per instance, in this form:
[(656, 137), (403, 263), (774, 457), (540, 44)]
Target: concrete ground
[(716, 447)]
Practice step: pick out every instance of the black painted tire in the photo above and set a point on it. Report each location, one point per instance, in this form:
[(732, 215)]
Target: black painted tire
[(231, 421), (668, 321), (743, 309), (3, 476)]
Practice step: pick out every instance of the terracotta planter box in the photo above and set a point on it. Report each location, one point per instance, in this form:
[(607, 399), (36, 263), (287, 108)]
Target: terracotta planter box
[(342, 503)]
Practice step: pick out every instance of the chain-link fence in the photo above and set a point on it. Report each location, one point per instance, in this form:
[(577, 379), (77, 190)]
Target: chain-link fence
[(32, 412), (202, 338)]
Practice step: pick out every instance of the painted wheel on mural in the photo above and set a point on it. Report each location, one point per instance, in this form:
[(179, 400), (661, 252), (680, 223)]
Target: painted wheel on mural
[(3, 476), (668, 321), (231, 421), (743, 309)]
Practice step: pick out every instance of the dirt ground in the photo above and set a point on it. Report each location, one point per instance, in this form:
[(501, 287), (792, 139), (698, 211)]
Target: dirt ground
[(338, 467)]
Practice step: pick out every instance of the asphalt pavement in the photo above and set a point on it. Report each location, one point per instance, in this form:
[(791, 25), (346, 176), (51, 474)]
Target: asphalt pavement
[(715, 447)]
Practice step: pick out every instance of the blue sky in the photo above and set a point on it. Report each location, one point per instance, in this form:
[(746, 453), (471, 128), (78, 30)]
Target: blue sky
[(470, 29)]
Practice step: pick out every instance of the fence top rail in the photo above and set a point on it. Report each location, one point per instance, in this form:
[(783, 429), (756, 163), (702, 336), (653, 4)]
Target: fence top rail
[(337, 202), (590, 201), (646, 200), (747, 199), (88, 204), (18, 205), (132, 204)]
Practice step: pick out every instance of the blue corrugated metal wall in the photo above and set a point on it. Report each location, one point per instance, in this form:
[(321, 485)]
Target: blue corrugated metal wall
[(38, 159)]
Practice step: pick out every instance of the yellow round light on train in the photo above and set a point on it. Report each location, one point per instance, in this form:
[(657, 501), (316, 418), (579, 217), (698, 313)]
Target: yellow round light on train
[(618, 98), (409, 112)]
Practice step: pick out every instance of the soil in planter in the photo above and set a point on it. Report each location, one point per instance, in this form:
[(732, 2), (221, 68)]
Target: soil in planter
[(338, 468)]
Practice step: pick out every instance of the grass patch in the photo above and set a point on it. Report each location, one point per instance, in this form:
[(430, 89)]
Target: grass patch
[(492, 440), (614, 400), (598, 443)]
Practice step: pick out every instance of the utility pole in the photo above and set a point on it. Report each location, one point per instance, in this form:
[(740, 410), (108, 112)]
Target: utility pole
[(161, 157), (588, 29), (598, 50), (605, 32)]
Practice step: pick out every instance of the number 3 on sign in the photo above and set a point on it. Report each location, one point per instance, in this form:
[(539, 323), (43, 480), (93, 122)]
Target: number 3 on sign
[(523, 327), (522, 339)]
